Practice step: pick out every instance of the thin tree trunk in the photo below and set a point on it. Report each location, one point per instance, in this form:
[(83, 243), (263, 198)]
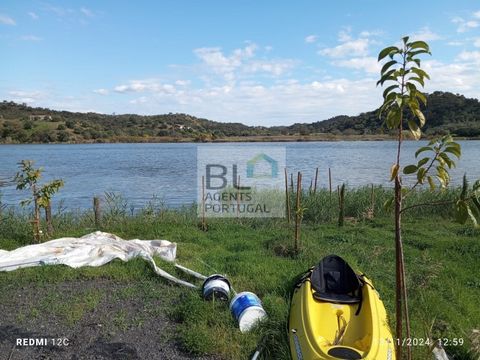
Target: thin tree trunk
[(398, 267)]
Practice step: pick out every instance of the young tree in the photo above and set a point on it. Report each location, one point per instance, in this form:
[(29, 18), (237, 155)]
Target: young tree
[(27, 178), (402, 75)]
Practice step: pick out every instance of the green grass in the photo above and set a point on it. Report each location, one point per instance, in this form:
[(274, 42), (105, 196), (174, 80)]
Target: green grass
[(441, 260)]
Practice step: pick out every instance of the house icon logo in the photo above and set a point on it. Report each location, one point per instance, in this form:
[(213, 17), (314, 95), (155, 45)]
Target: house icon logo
[(262, 166)]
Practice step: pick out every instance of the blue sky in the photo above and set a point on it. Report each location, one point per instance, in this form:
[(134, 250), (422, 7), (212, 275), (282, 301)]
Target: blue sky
[(256, 62)]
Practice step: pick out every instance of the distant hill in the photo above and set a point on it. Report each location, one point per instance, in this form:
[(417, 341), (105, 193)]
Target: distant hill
[(445, 113), (19, 123)]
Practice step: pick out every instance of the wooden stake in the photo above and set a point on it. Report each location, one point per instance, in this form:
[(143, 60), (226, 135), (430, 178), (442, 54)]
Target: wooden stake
[(204, 224), (291, 181), (238, 200), (48, 219), (341, 205), (298, 215), (97, 212), (36, 216), (287, 197), (315, 183), (372, 200), (330, 188), (330, 182)]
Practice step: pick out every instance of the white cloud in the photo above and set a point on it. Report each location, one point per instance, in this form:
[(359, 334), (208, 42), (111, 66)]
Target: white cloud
[(30, 38), (140, 100), (147, 85), (239, 63), (101, 91), (469, 56), (7, 20), (476, 14), (283, 102), (368, 64), (33, 15), (87, 12), (426, 34), (455, 43), (350, 46), (182, 82), (274, 67), (311, 39), (344, 35), (220, 63), (476, 42), (455, 77), (464, 25), (358, 47), (27, 97)]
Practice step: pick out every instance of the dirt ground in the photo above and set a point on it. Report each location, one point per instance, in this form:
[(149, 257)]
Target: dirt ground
[(90, 319)]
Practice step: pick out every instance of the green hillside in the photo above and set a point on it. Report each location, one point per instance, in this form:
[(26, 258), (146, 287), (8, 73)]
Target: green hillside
[(19, 123)]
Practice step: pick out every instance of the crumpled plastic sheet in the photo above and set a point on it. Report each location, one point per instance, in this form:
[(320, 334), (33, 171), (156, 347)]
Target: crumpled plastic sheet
[(95, 249)]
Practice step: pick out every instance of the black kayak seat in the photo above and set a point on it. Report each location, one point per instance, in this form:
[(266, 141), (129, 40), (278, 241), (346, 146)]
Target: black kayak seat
[(333, 280), (345, 353)]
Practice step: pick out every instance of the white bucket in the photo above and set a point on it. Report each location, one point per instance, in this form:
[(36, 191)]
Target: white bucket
[(216, 287), (247, 309)]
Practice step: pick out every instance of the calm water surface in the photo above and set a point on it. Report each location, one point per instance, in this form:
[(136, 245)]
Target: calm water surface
[(168, 171)]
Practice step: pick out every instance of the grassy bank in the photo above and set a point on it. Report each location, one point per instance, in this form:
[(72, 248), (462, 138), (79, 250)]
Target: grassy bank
[(442, 268)]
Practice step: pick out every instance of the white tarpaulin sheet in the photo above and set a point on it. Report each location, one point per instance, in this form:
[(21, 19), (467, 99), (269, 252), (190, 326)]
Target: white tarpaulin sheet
[(94, 249)]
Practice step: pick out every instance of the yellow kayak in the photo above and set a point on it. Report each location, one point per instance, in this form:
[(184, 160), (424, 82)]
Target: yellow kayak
[(337, 314)]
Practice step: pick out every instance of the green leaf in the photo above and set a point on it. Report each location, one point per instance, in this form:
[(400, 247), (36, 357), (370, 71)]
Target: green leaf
[(419, 44), (420, 117), (393, 118), (418, 52), (388, 89), (388, 204), (387, 51), (474, 215), (447, 160), (455, 150), (423, 149), (443, 174), (422, 74), (410, 169), (441, 181), (405, 39), (386, 76), (414, 129), (421, 97), (423, 161), (431, 183), (394, 171), (417, 79), (421, 175), (461, 212), (387, 65)]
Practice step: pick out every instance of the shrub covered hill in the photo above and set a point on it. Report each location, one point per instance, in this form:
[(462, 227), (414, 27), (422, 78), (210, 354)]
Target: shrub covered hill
[(19, 123)]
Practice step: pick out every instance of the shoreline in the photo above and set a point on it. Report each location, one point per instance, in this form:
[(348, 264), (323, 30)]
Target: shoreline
[(239, 139)]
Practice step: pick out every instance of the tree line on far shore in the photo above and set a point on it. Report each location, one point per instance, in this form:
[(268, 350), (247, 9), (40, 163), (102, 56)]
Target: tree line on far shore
[(447, 113)]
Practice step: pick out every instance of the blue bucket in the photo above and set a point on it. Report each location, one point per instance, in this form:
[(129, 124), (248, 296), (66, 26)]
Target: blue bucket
[(247, 309)]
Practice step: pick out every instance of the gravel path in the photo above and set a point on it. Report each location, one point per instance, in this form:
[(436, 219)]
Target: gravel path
[(100, 319)]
